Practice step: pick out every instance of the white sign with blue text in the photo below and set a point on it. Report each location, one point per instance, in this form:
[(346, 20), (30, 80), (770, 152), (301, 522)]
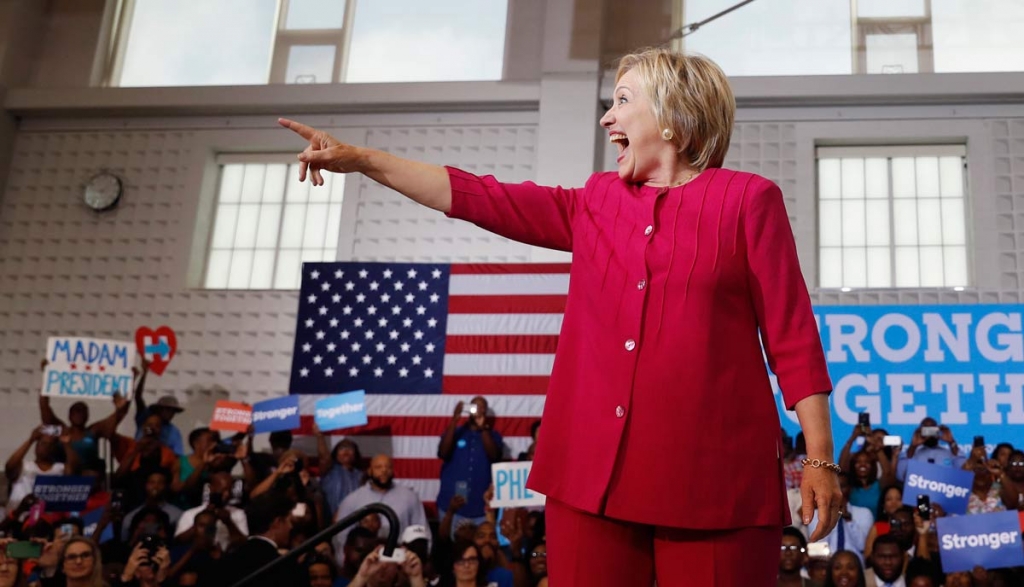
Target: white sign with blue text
[(960, 364), (88, 368), (992, 541), (276, 414), (949, 487), (346, 410), (510, 490)]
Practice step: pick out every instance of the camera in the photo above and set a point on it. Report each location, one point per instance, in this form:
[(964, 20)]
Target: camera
[(224, 448), (929, 431), (979, 441), (54, 430), (151, 543), (397, 557), (473, 409)]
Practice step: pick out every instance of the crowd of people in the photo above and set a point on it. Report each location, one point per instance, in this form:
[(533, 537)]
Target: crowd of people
[(880, 541), (197, 508)]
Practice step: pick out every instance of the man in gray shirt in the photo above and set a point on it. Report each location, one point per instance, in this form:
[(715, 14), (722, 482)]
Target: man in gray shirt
[(381, 488), (157, 483)]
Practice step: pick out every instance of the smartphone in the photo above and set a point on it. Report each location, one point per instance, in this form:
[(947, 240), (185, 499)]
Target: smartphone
[(924, 507), (397, 557), (473, 409), (224, 448), (299, 511), (116, 499), (818, 550), (892, 440), (67, 529), (979, 441), (54, 430), (929, 431), (864, 420), (216, 500), (462, 488), (24, 549)]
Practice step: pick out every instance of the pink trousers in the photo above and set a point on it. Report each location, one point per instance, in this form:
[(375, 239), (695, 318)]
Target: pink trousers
[(587, 550)]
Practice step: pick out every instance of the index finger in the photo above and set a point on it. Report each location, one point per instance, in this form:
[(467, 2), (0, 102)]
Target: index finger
[(303, 130)]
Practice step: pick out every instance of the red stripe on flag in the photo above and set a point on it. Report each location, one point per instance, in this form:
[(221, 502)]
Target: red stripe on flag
[(417, 469), (511, 304), (433, 426), (508, 268), (495, 384), (532, 345)]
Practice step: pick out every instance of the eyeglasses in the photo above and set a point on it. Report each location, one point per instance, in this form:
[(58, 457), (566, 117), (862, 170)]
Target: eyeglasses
[(538, 555), (470, 560), (81, 557), (793, 548)]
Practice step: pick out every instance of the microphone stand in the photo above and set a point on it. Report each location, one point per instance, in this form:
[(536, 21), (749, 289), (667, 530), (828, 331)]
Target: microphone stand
[(349, 520)]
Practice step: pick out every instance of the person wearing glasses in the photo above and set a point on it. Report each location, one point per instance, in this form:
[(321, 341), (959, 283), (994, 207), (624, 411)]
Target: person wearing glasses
[(78, 564), (792, 559), (538, 562), (1012, 481), (467, 569)]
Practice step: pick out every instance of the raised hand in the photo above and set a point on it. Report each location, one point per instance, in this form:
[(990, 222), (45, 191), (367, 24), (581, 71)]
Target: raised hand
[(323, 153)]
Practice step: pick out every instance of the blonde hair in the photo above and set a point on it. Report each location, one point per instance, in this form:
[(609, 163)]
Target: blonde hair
[(96, 580), (691, 97)]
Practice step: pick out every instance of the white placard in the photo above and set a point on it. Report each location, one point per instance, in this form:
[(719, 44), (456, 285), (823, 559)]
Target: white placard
[(88, 368), (510, 486)]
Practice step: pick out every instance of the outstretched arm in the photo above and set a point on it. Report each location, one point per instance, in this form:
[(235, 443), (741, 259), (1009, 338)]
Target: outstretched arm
[(424, 183)]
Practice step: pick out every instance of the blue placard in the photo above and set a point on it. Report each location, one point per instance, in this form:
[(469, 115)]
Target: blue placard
[(91, 520), (63, 494), (346, 410), (992, 541), (276, 414), (960, 364), (947, 486)]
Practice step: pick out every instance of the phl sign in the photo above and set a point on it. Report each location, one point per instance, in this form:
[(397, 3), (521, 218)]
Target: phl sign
[(992, 541), (947, 486), (510, 490), (88, 368), (963, 365)]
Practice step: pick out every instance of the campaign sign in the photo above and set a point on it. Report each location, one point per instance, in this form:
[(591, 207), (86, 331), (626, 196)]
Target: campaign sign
[(276, 414), (88, 368), (510, 490), (960, 364), (157, 346), (992, 541), (63, 493), (91, 521), (346, 410), (231, 416), (947, 486)]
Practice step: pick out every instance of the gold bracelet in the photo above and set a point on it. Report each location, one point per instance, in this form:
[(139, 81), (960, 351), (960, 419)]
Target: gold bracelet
[(818, 463)]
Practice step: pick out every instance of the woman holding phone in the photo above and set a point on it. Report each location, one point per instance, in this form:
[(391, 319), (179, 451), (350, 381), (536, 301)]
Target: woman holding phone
[(684, 278)]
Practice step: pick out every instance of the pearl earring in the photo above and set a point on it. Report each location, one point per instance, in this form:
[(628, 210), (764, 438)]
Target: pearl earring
[(667, 134)]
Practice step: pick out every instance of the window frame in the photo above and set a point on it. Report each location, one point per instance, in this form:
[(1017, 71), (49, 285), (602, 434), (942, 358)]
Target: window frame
[(288, 159), (889, 152)]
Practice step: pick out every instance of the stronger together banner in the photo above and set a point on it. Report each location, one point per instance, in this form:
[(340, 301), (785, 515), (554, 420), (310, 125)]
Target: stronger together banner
[(962, 365)]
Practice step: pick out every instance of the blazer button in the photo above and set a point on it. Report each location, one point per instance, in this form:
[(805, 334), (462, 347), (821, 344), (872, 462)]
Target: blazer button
[(641, 284), (619, 411), (630, 344), (648, 230)]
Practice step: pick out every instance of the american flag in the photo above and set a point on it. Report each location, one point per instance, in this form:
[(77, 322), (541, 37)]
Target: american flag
[(419, 338)]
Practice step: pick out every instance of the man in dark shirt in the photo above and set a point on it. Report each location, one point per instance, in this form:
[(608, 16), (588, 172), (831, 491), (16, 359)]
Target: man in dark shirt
[(468, 451), (270, 526)]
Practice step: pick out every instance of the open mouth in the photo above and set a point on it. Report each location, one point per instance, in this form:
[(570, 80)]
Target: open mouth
[(621, 141), (844, 581)]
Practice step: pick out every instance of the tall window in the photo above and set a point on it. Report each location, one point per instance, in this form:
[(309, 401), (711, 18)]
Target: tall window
[(836, 37), (236, 42), (892, 217), (267, 223)]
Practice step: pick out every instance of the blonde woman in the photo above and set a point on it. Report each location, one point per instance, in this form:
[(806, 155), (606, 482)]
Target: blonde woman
[(660, 450), (76, 563)]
